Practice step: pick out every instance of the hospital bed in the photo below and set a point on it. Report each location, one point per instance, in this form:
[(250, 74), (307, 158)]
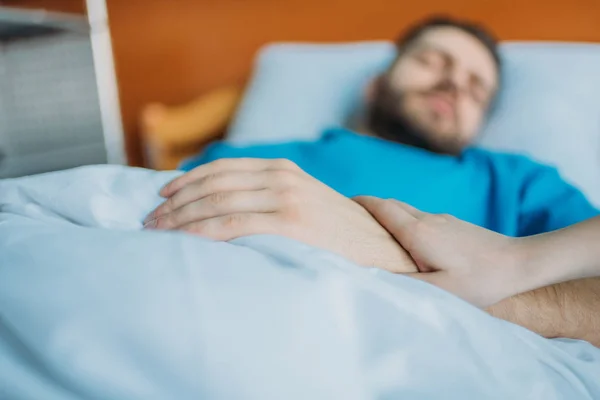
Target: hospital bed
[(93, 307)]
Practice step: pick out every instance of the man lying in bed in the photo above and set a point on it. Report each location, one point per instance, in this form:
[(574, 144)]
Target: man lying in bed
[(423, 113)]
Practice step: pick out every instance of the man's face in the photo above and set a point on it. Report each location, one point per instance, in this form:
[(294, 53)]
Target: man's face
[(438, 90)]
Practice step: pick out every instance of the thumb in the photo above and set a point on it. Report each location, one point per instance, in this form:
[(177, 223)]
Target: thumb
[(444, 281), (396, 217), (437, 278), (429, 277)]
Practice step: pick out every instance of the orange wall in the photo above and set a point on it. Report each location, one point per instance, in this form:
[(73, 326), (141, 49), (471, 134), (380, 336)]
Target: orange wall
[(171, 51)]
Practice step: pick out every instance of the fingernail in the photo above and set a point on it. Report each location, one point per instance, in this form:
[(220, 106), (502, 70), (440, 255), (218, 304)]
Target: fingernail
[(147, 219), (150, 224), (163, 191)]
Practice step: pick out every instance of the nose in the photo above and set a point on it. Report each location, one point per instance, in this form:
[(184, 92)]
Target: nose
[(459, 79)]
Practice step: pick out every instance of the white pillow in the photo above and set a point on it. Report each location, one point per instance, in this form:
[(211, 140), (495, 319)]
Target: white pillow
[(548, 107), (298, 90)]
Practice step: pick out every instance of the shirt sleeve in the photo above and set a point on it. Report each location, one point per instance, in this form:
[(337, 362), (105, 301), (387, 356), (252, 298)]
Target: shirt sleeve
[(549, 203)]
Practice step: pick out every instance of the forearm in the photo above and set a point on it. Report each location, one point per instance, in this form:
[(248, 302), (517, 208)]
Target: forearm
[(560, 256), (570, 309)]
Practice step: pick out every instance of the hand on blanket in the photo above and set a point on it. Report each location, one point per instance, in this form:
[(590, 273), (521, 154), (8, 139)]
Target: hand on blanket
[(472, 262), (230, 198)]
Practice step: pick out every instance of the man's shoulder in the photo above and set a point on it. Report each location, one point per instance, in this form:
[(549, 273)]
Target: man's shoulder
[(328, 136), (510, 160), (294, 150)]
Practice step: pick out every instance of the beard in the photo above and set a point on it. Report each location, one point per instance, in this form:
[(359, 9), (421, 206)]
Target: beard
[(396, 127), (387, 122)]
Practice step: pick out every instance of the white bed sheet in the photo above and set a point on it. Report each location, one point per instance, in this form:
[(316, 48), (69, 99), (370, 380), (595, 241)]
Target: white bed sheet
[(93, 308)]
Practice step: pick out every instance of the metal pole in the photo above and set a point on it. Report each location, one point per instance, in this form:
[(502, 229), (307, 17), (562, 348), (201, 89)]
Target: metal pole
[(106, 81)]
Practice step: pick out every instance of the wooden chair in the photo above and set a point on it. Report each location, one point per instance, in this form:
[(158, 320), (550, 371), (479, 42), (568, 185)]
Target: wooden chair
[(172, 133)]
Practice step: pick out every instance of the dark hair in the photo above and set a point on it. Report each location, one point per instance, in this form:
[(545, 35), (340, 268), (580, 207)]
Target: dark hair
[(476, 30)]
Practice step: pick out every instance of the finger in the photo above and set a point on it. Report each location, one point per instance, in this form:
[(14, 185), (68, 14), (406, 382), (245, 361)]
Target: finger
[(369, 202), (477, 296), (233, 226), (408, 208), (429, 277), (441, 279), (207, 185), (218, 205), (223, 165), (396, 217)]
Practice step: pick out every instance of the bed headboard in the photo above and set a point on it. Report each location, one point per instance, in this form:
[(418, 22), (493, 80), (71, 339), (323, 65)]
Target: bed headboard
[(173, 51)]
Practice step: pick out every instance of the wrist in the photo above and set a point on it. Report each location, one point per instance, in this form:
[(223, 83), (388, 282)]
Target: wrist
[(516, 267), (539, 262)]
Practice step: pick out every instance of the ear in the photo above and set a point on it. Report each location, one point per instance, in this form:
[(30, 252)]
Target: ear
[(370, 89)]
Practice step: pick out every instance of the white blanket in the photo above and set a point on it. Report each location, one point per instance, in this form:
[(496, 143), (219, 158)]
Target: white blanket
[(91, 307)]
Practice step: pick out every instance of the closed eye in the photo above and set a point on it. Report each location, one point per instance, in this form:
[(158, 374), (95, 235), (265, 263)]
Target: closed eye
[(478, 91), (431, 58)]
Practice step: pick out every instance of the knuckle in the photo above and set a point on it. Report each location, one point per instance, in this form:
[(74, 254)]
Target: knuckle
[(442, 218), (289, 196), (447, 217), (282, 176), (233, 221), (197, 228), (210, 178), (291, 210), (217, 199), (425, 220), (284, 163), (164, 222), (224, 228), (387, 206), (167, 206), (431, 220), (220, 163), (169, 186), (420, 228), (210, 181)]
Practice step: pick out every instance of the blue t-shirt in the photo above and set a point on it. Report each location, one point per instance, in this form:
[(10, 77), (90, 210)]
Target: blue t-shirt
[(506, 193)]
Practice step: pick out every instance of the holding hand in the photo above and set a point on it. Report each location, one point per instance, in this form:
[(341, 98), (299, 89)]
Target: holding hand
[(230, 198), (476, 264), (482, 266)]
